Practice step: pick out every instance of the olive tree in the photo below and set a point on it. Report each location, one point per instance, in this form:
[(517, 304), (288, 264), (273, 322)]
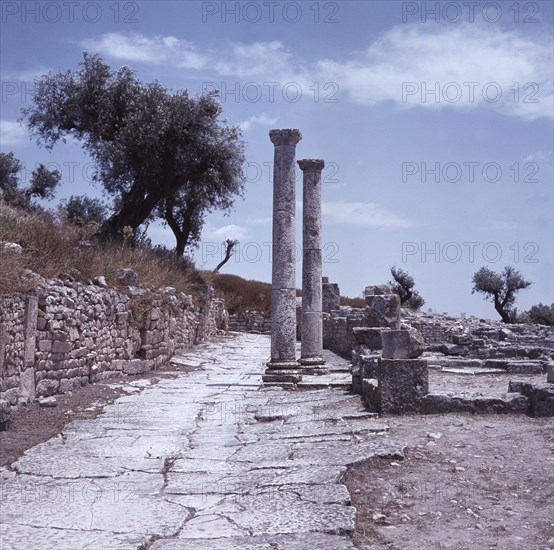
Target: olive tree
[(158, 153)]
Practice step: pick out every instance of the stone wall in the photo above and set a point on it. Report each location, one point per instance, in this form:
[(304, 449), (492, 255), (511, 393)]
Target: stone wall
[(337, 329), (472, 337), (249, 321), (70, 334)]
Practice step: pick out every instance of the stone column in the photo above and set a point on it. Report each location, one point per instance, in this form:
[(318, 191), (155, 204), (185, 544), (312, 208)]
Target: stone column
[(312, 316), (282, 365)]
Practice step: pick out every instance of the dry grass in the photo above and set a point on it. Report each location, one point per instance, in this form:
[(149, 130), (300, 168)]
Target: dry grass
[(56, 249), (241, 294), (352, 302)]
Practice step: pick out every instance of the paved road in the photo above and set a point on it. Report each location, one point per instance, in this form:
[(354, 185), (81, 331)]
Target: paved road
[(209, 460)]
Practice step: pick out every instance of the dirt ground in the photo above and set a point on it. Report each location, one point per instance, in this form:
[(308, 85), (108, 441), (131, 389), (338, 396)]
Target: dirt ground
[(467, 482)]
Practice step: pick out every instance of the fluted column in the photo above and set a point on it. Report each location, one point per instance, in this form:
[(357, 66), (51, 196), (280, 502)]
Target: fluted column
[(312, 317), (283, 299)]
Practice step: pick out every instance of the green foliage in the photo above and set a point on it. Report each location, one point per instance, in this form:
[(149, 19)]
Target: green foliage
[(42, 184), (159, 154), (501, 289), (542, 314), (81, 210), (403, 285), (9, 167)]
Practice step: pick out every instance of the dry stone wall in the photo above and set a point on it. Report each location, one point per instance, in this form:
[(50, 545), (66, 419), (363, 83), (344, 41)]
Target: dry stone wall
[(249, 321), (70, 334)]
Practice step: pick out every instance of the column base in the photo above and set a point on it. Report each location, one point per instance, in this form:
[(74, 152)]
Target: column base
[(282, 373), (286, 377), (282, 364), (313, 365), (315, 360)]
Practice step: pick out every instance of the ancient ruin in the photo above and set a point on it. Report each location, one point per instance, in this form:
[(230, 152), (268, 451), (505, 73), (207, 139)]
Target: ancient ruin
[(312, 315), (282, 367)]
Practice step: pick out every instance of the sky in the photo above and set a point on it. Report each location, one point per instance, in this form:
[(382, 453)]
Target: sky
[(434, 119)]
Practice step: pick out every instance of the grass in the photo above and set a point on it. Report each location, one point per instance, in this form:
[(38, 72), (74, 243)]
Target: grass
[(55, 248)]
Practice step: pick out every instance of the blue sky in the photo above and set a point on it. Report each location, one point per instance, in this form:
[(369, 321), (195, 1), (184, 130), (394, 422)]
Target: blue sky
[(435, 126)]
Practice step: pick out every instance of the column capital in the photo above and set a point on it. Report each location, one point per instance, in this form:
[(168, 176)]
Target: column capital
[(285, 137), (311, 165)]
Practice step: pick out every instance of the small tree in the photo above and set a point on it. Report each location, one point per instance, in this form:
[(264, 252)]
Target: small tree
[(501, 289), (81, 209), (42, 184), (403, 285), (542, 314), (229, 246)]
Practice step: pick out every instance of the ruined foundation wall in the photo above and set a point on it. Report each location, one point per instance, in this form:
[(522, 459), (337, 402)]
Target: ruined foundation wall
[(337, 329), (249, 321), (70, 334)]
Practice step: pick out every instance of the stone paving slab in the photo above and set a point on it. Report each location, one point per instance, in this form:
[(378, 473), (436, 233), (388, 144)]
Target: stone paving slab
[(211, 459)]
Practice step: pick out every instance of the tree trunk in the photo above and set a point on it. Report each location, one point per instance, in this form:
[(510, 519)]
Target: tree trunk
[(499, 306), (230, 245)]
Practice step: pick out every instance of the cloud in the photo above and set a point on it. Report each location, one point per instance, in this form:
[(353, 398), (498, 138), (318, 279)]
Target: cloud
[(231, 231), (12, 133), (425, 65), (426, 54), (157, 49), (24, 75), (257, 119), (366, 214)]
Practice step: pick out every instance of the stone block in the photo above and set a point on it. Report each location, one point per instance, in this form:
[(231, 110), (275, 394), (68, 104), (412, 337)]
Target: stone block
[(47, 387), (31, 315), (5, 414), (524, 367), (61, 347), (330, 296), (368, 336), (462, 339), (516, 403), (401, 344), (27, 390), (371, 394), (128, 277), (369, 366), (69, 384), (377, 290), (541, 400), (284, 376), (135, 366), (383, 311), (403, 384), (356, 381)]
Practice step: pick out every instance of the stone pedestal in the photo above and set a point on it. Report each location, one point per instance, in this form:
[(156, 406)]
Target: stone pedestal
[(283, 300), (311, 354), (401, 344), (403, 385)]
